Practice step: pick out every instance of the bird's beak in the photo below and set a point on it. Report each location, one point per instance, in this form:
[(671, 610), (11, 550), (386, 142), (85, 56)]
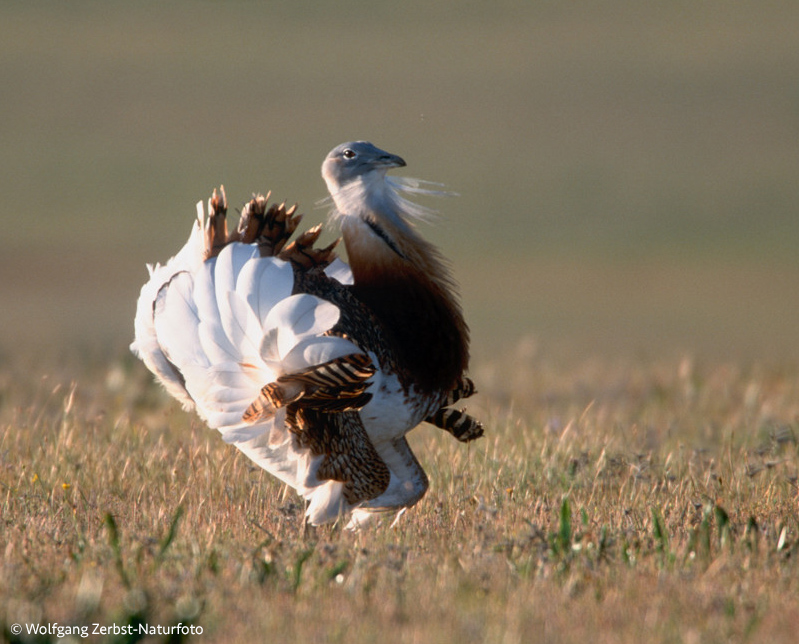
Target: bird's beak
[(390, 161)]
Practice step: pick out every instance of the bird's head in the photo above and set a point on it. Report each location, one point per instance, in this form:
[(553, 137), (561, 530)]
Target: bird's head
[(376, 220), (355, 173), (351, 161)]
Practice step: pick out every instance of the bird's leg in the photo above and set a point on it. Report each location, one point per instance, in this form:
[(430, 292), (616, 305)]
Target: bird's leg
[(216, 233)]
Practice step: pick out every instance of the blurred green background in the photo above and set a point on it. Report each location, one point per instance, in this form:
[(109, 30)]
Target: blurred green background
[(627, 171)]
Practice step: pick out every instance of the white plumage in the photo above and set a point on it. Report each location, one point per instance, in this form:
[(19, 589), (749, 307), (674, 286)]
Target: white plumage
[(295, 362)]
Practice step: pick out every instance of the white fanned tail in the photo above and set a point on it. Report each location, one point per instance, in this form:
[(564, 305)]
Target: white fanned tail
[(216, 331)]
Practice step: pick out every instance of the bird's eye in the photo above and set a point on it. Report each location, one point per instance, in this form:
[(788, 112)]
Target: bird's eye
[(348, 154)]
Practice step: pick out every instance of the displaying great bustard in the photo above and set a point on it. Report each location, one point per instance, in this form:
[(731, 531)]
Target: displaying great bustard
[(316, 370)]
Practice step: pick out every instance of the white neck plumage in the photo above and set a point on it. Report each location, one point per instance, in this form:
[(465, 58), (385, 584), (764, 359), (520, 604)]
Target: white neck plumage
[(403, 279), (375, 220)]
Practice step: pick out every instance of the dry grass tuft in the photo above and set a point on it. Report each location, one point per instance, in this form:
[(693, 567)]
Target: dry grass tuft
[(609, 502)]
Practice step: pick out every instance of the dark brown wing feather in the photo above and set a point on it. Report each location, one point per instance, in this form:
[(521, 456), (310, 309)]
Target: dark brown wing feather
[(349, 455)]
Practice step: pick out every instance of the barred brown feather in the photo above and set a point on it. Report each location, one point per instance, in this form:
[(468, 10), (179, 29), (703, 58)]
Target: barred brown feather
[(269, 227), (347, 370), (272, 397), (458, 423), (350, 456), (216, 232), (463, 389), (334, 400), (334, 386), (302, 254)]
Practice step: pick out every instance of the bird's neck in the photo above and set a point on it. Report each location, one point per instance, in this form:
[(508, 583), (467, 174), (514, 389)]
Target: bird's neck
[(404, 281)]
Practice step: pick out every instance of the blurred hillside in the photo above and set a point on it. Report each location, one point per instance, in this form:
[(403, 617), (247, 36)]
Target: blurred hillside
[(627, 174)]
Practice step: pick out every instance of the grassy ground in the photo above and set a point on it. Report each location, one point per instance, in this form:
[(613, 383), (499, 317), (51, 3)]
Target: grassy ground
[(625, 240), (608, 502)]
